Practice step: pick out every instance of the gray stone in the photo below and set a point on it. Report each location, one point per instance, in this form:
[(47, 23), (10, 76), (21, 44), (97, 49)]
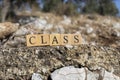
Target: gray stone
[(116, 26), (68, 73), (22, 31), (89, 30), (36, 76), (60, 29), (72, 73), (110, 76), (66, 21)]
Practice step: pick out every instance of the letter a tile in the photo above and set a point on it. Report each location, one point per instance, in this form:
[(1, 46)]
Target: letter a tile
[(55, 39)]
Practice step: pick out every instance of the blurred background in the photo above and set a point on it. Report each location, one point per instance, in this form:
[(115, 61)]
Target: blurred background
[(98, 21), (11, 9)]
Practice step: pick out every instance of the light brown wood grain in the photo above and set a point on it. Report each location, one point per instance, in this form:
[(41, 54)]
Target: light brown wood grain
[(66, 39), (44, 39), (32, 40), (55, 39)]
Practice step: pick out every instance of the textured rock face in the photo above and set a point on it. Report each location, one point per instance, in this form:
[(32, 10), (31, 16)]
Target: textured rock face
[(21, 63)]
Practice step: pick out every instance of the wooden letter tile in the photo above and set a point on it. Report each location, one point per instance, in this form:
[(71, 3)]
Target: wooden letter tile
[(65, 39), (32, 40), (44, 39), (55, 39), (76, 39)]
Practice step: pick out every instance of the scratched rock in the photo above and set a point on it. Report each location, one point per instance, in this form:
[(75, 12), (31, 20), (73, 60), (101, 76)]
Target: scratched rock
[(72, 73)]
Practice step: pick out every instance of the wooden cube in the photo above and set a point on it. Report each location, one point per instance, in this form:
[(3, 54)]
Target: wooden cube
[(32, 40), (66, 39), (76, 39), (44, 39), (55, 39)]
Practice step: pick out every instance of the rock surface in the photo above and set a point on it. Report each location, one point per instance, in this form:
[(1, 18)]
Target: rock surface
[(7, 28), (36, 76), (18, 63), (72, 73)]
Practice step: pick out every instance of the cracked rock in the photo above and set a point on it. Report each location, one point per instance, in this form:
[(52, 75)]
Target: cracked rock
[(72, 73)]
